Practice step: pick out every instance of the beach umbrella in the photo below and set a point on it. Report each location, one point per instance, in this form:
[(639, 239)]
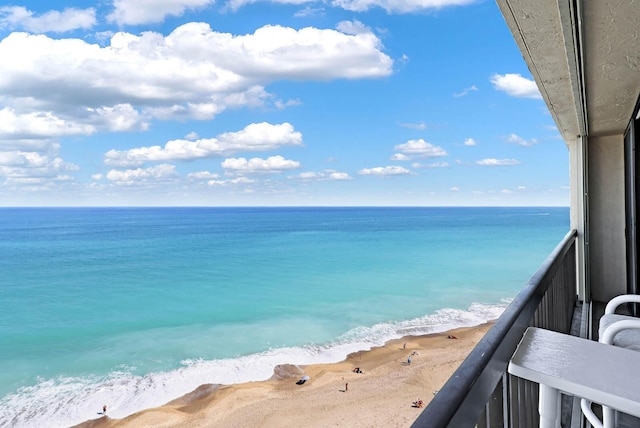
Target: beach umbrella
[(305, 377)]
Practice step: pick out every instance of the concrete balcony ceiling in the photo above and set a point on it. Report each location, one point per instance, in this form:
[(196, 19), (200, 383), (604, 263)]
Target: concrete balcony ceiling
[(585, 57)]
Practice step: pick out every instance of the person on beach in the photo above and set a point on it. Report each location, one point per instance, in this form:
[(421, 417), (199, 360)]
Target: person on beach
[(409, 360), (104, 409), (451, 337), (404, 346), (346, 387)]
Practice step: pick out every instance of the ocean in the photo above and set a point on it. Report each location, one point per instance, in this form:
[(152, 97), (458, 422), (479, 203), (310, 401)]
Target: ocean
[(134, 307)]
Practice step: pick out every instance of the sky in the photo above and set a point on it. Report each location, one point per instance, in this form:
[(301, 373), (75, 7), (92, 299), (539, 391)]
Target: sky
[(271, 103)]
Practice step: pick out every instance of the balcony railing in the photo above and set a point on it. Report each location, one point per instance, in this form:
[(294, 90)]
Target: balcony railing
[(480, 392)]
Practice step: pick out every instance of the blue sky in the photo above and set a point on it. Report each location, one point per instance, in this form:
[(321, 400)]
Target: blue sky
[(287, 102)]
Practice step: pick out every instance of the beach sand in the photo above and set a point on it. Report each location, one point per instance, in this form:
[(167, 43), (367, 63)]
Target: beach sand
[(382, 396)]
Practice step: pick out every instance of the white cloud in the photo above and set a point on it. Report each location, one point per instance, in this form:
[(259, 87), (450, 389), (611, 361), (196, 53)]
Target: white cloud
[(399, 157), (431, 165), (254, 137), (260, 137), (522, 188), (119, 118), (33, 160), (506, 191), (308, 175), (139, 176), (202, 175), (323, 175), (233, 181), (17, 17), (38, 125), (191, 136), (237, 4), (309, 11), (273, 164), (39, 145), (497, 162), (420, 126), (398, 6), (21, 129), (281, 105), (352, 27), (391, 6), (470, 142), (192, 73), (420, 148), (438, 165), (513, 138), (387, 170), (312, 53), (134, 12), (454, 189), (19, 168), (466, 91), (340, 176), (515, 85)]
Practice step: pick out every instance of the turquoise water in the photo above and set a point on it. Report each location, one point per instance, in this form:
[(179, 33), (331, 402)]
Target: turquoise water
[(134, 307)]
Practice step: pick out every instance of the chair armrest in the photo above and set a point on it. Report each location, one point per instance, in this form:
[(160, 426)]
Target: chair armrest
[(609, 333), (619, 300), (585, 405)]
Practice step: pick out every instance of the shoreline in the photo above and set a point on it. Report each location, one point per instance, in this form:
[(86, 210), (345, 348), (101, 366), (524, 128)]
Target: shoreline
[(381, 396)]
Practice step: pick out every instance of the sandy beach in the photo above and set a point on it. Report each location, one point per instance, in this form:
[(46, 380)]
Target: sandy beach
[(334, 395)]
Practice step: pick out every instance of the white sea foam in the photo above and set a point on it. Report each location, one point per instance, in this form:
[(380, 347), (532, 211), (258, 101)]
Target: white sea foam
[(66, 401)]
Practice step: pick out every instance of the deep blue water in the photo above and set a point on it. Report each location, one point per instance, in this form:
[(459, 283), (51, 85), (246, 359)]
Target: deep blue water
[(136, 306)]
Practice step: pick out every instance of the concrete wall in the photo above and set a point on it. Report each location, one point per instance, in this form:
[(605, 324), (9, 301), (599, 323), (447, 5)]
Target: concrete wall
[(607, 260), (577, 211)]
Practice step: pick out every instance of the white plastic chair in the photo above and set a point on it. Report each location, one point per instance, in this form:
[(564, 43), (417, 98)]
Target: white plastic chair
[(617, 330)]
